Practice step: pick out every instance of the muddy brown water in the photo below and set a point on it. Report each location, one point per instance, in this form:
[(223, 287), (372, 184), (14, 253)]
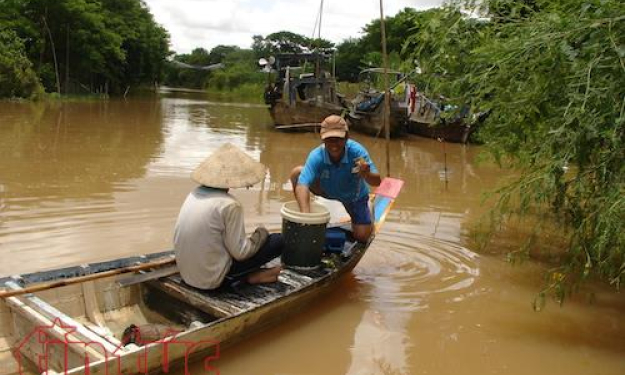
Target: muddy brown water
[(91, 181)]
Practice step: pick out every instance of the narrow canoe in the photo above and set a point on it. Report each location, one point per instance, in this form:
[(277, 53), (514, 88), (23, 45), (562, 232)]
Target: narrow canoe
[(75, 317)]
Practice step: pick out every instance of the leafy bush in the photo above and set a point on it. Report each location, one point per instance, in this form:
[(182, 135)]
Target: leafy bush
[(17, 78), (553, 74)]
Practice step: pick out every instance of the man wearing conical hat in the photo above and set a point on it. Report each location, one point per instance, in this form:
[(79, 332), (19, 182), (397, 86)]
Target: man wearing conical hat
[(340, 169), (209, 239)]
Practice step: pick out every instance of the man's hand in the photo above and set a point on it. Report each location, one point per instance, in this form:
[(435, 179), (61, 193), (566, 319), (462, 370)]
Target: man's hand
[(364, 171), (363, 168), (258, 238)]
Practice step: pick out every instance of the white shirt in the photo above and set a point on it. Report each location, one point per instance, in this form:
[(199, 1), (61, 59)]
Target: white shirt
[(209, 232)]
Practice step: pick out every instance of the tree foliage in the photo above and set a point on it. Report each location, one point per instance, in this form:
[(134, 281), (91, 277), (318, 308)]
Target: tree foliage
[(553, 74), (355, 54), (17, 79), (286, 42), (87, 44), (241, 68), (191, 78)]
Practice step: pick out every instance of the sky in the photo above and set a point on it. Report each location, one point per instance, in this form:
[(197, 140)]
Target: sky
[(208, 23)]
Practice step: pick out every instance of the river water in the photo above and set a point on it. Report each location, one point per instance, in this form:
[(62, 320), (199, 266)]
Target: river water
[(90, 181)]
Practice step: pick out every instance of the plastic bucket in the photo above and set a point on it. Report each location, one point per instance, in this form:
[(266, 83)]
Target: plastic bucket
[(304, 235)]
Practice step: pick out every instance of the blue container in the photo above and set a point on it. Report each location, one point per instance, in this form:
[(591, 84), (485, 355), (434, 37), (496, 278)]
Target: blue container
[(335, 240)]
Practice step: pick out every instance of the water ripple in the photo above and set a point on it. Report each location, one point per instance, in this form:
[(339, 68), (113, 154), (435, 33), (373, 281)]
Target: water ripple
[(403, 269)]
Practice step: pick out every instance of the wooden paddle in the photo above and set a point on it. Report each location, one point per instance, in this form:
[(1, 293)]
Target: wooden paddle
[(389, 187), (385, 195), (82, 279)]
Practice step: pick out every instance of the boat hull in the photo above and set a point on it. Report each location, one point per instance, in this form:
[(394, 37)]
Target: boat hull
[(304, 112), (222, 333), (458, 132), (372, 122), (249, 309)]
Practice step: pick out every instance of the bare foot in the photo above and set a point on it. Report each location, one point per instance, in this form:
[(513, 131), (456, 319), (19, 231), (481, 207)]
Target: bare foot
[(269, 275)]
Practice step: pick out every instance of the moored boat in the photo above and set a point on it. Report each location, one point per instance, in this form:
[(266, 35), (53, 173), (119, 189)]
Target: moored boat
[(304, 91), (426, 120), (77, 320), (367, 109)]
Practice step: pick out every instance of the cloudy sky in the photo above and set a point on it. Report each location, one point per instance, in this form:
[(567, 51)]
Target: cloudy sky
[(208, 23)]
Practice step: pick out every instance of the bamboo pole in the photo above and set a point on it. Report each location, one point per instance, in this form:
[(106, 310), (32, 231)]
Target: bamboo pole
[(320, 18), (82, 279), (387, 96), (56, 65), (66, 59), (295, 126)]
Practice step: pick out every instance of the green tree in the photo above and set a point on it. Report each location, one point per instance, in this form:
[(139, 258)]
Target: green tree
[(348, 60), (188, 77), (286, 42), (355, 54), (219, 53), (241, 68), (555, 81), (17, 79), (443, 45), (397, 27), (97, 45), (506, 11)]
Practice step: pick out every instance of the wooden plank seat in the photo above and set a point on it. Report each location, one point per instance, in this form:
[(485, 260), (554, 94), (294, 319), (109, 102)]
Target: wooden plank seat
[(236, 298)]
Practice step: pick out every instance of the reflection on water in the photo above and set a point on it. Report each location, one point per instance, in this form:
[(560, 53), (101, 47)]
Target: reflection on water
[(89, 181), (64, 163), (399, 276), (194, 128), (408, 268)]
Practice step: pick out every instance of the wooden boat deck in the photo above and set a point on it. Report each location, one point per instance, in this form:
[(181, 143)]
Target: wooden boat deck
[(237, 298)]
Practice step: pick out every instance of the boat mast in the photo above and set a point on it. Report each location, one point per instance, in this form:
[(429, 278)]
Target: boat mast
[(320, 17), (317, 27), (387, 96)]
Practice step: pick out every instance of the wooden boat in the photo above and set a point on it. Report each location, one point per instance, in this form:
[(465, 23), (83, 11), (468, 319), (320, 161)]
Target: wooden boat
[(304, 92), (456, 132), (367, 109), (426, 120), (71, 320)]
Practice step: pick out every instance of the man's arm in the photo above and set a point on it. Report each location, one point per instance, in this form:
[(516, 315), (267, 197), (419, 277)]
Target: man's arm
[(237, 243), (307, 176), (302, 196), (372, 178)]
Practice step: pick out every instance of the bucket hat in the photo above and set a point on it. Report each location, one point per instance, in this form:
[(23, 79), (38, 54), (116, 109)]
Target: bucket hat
[(333, 126), (228, 167)]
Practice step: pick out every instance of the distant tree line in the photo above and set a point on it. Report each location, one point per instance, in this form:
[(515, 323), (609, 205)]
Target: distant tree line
[(79, 46), (241, 66), (107, 46)]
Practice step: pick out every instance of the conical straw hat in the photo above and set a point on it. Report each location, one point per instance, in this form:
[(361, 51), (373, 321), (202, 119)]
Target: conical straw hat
[(228, 167)]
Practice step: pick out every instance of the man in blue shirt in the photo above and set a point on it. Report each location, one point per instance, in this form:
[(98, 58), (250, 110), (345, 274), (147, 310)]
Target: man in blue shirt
[(339, 169)]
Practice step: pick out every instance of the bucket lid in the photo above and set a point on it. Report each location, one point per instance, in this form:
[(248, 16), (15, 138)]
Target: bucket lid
[(318, 214)]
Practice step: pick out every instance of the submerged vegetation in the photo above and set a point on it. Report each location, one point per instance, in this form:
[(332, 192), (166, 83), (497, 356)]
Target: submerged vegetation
[(551, 73)]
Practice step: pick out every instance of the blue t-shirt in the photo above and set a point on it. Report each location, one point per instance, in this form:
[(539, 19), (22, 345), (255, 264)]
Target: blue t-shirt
[(337, 180)]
